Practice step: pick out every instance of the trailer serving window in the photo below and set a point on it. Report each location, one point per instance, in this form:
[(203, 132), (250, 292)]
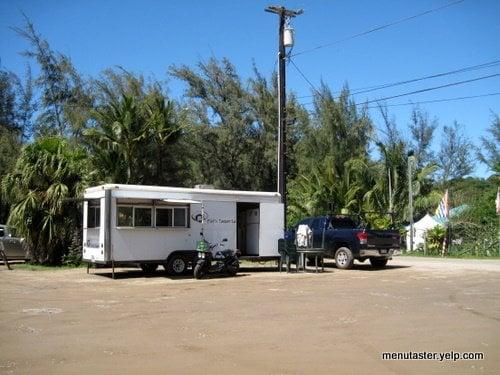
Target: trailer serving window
[(171, 217), (143, 217), (132, 216), (163, 217), (125, 216)]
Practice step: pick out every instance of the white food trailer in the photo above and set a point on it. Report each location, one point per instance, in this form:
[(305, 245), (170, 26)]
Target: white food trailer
[(153, 225)]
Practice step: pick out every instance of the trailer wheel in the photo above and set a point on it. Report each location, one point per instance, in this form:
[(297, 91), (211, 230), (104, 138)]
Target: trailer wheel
[(149, 267), (344, 258), (176, 265)]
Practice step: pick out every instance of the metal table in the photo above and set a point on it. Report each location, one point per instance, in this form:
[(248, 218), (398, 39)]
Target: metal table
[(303, 253)]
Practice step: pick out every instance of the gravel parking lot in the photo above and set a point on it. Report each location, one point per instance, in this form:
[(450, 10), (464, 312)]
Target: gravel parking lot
[(65, 321)]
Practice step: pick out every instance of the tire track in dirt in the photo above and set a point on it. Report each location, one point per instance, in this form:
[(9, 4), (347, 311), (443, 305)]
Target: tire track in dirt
[(453, 299)]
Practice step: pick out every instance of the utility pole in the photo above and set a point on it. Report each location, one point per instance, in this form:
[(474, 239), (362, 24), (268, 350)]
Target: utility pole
[(390, 195), (283, 14), (410, 196)]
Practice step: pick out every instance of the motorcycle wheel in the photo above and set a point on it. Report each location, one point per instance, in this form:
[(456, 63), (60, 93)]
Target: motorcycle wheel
[(233, 268), (199, 272)]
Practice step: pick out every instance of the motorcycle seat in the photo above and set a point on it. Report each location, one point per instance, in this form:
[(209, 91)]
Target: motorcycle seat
[(228, 253), (223, 254)]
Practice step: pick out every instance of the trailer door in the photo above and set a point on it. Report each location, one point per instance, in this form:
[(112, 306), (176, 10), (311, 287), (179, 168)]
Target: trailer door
[(271, 228)]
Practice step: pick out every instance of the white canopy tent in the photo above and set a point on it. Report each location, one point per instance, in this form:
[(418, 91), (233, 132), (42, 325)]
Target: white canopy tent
[(419, 230)]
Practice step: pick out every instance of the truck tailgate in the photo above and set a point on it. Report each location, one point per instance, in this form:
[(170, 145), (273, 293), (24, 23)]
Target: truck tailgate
[(383, 239)]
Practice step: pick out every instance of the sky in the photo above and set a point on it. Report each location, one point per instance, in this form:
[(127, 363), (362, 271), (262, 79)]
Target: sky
[(148, 36)]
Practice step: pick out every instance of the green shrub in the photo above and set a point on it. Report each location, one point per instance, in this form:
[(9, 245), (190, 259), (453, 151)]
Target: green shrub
[(434, 240), (74, 255)]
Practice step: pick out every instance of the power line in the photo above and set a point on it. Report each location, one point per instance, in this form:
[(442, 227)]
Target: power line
[(462, 70), (423, 90), (363, 90), (428, 101), (433, 88), (305, 78), (439, 100), (380, 27)]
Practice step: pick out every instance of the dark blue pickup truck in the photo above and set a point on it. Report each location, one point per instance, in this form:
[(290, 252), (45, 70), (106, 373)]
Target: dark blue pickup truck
[(344, 240)]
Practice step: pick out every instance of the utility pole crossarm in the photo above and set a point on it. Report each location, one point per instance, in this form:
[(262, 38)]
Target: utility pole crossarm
[(283, 11)]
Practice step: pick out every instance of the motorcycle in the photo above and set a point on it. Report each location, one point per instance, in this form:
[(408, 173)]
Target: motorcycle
[(223, 262)]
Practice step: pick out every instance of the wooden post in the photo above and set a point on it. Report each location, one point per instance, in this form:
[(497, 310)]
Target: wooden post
[(443, 251), (425, 242)]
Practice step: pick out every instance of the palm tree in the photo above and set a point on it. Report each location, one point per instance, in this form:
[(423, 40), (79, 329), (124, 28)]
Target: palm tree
[(394, 166), (130, 136), (163, 128), (115, 139), (328, 189), (47, 175)]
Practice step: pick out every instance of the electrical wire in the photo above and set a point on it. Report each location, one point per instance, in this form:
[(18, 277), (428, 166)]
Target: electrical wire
[(306, 79), (378, 28), (426, 101), (439, 100), (363, 90), (433, 88), (423, 90)]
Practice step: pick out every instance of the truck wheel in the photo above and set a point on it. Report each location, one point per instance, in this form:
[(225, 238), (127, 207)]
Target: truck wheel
[(378, 262), (198, 271), (344, 258), (176, 265), (148, 267)]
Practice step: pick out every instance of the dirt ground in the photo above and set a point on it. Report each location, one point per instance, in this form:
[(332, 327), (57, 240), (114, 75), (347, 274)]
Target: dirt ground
[(68, 322)]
